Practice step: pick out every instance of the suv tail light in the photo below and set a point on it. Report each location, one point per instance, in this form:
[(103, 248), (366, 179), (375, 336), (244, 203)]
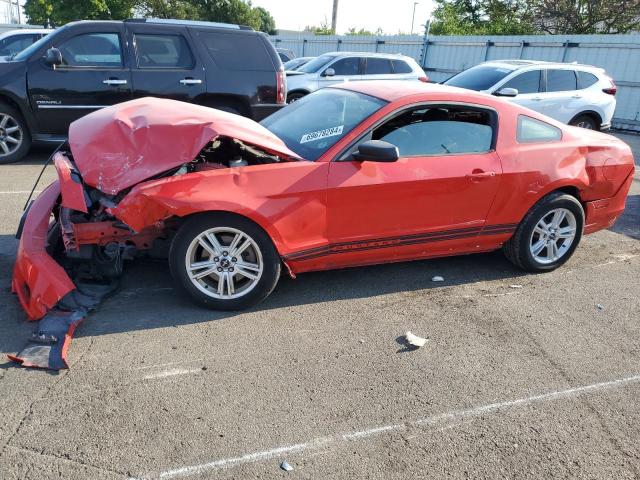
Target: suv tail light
[(612, 89), (281, 87)]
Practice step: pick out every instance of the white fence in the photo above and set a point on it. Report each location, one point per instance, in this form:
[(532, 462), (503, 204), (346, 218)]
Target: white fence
[(442, 56)]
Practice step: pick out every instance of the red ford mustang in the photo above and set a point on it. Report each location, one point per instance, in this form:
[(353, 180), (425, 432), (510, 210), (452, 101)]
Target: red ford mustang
[(358, 174)]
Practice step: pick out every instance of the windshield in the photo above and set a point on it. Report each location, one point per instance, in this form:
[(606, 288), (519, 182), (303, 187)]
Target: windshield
[(317, 121), (316, 64), (34, 47), (479, 78)]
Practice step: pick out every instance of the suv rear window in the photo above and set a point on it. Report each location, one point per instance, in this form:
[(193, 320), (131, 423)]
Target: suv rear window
[(237, 51), (561, 80), (163, 51), (400, 66), (585, 79), (479, 78)]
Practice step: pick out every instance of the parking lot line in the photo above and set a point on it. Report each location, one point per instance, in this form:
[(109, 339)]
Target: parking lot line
[(455, 415), (171, 373)]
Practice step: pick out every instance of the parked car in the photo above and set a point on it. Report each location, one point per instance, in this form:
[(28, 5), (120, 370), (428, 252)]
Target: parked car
[(14, 41), (87, 65), (336, 67), (579, 95), (285, 54), (357, 174), (296, 63)]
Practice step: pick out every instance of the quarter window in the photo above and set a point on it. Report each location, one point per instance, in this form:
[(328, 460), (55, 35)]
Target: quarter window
[(346, 66), (586, 79), (561, 80), (438, 130), (163, 51), (234, 51), (531, 130), (527, 82), (378, 66), (92, 50)]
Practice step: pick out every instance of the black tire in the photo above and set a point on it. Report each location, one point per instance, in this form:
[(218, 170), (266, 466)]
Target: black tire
[(198, 224), (585, 121), (295, 96), (15, 120), (517, 249)]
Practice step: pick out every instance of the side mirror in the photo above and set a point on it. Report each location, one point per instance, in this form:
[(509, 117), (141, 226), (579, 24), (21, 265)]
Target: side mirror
[(376, 151), (53, 57), (329, 72), (506, 92)]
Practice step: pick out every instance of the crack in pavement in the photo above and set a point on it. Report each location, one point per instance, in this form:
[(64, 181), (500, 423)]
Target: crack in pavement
[(70, 460)]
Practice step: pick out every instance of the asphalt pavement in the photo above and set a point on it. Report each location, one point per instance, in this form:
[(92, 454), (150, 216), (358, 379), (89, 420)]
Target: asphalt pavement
[(523, 376)]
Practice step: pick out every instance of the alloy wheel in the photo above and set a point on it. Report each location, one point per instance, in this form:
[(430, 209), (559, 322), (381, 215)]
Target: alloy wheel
[(552, 236), (11, 135)]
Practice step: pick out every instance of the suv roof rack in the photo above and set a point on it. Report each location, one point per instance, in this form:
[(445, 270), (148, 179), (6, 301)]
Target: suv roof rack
[(193, 23)]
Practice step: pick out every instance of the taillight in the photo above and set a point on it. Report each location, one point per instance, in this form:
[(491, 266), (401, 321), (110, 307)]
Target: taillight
[(612, 89), (424, 79), (281, 87)]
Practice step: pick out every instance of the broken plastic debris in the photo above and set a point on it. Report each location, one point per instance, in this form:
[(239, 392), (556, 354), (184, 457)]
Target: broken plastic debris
[(415, 340), (437, 278), (515, 286), (285, 466), (599, 306)]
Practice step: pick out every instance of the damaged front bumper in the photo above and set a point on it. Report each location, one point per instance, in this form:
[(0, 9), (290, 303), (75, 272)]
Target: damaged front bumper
[(38, 280)]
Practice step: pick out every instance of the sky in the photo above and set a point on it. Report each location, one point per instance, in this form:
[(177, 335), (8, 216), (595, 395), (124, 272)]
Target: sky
[(392, 16)]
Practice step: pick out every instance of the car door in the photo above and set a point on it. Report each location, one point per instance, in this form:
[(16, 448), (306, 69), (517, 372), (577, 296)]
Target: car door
[(164, 62), (344, 69), (529, 86), (561, 100), (94, 73), (435, 198)]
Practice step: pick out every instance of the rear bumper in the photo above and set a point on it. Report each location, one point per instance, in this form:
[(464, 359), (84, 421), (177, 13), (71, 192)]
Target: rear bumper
[(260, 111), (38, 280), (601, 214)]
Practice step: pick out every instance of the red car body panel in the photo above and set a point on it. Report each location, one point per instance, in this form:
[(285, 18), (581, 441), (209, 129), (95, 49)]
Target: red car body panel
[(120, 146), (38, 280), (328, 214)]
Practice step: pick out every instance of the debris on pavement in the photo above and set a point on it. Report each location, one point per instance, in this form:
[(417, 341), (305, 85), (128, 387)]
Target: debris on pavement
[(437, 278), (415, 340), (515, 286), (599, 306), (285, 466)]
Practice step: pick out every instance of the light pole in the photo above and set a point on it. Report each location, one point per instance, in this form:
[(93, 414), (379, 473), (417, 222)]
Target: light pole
[(413, 17)]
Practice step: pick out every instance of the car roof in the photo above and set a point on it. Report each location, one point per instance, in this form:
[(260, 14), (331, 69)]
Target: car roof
[(166, 21), (392, 90), (522, 64), (343, 53), (24, 31)]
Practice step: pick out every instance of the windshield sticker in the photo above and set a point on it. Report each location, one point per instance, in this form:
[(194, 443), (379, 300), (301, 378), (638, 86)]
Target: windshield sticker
[(327, 132)]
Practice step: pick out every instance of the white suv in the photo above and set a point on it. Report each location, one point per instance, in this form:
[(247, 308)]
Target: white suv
[(579, 95), (336, 67)]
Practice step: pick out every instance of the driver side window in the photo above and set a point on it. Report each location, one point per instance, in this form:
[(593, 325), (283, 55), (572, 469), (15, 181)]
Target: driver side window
[(346, 66), (439, 130), (92, 50)]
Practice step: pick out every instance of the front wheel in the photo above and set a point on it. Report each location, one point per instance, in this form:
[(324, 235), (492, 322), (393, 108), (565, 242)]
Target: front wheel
[(223, 261), (294, 97), (548, 235), (15, 139)]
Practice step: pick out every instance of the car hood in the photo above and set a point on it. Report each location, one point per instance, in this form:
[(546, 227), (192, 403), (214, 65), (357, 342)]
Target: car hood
[(119, 146)]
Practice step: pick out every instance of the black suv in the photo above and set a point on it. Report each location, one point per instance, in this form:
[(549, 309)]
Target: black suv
[(87, 65)]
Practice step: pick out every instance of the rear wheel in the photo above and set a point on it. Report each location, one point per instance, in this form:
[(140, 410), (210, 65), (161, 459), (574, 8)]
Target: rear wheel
[(548, 235), (15, 139), (223, 261), (585, 121)]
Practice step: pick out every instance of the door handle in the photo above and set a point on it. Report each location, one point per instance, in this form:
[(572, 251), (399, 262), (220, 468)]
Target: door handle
[(114, 81), (190, 81), (479, 175)]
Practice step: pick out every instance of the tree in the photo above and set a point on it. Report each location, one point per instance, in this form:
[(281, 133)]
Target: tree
[(362, 31), (587, 16), (59, 12), (180, 9), (323, 29), (267, 23), (483, 17)]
